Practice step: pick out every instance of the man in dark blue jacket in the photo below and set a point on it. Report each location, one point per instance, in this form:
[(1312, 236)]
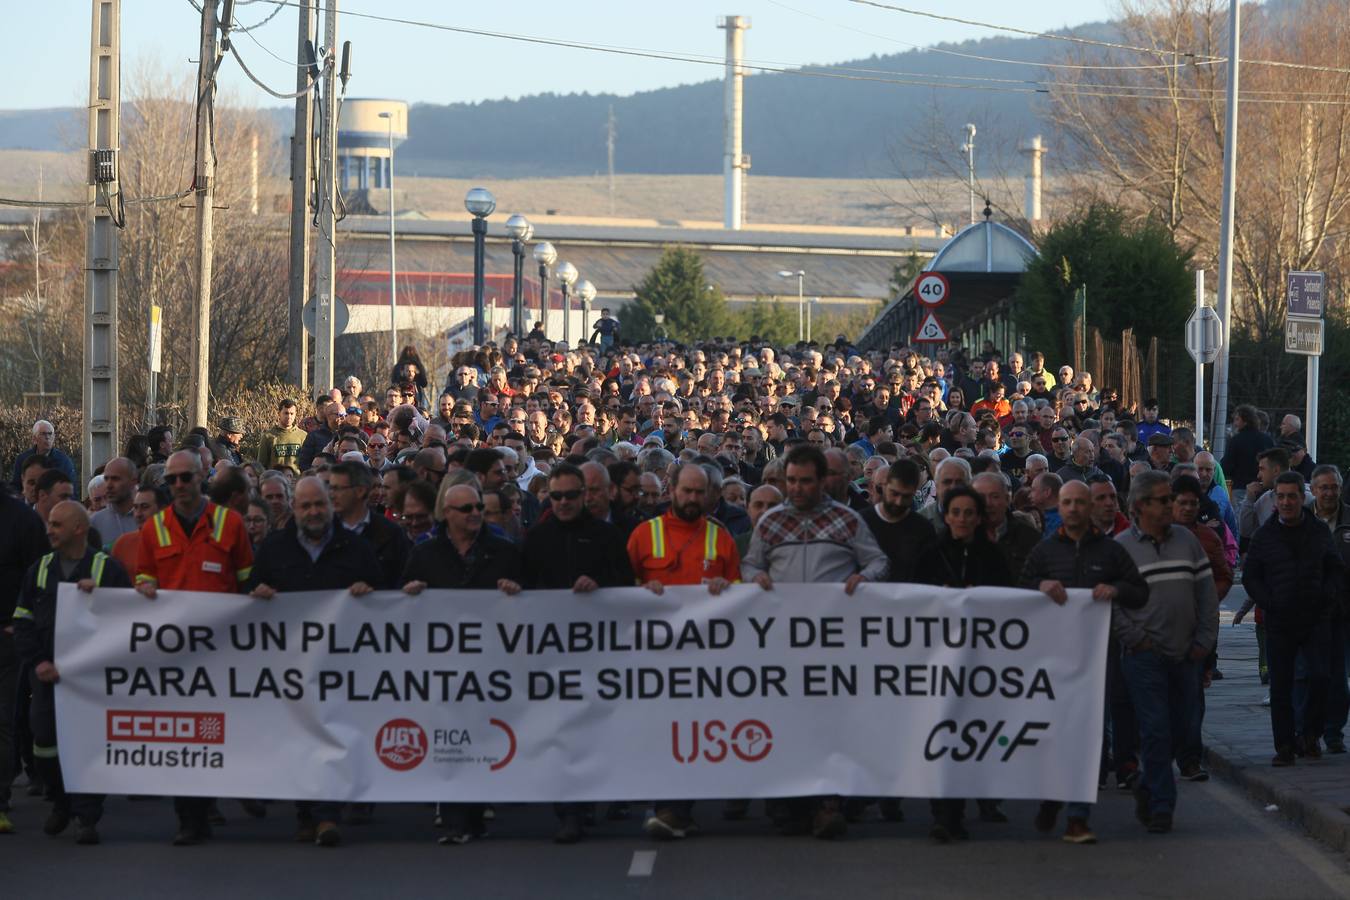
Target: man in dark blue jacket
[(71, 560), (1294, 574), (314, 553)]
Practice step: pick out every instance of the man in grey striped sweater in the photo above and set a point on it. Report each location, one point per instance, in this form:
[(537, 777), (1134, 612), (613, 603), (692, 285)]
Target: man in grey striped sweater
[(1165, 642)]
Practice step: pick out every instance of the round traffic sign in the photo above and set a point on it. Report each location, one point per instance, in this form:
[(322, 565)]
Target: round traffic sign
[(341, 315), (932, 289)]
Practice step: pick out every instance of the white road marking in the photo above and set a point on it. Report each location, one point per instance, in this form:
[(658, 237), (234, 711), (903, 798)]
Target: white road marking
[(643, 863)]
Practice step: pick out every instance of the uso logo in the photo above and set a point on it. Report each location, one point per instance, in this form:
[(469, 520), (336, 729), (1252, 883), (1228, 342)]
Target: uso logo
[(749, 741), (166, 727), (401, 744)]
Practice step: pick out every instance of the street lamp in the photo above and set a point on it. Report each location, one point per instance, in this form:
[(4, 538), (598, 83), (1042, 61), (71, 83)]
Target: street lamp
[(800, 275), (660, 319), (585, 293), (545, 255), (567, 276), (393, 290), (481, 203), (520, 230), (968, 148)]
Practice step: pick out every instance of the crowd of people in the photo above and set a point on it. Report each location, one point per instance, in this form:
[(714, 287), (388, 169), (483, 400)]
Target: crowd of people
[(614, 464)]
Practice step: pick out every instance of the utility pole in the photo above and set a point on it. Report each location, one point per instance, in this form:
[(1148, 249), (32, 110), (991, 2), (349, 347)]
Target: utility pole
[(1225, 303), (969, 148), (326, 252), (302, 172), (204, 186), (609, 147), (102, 241)]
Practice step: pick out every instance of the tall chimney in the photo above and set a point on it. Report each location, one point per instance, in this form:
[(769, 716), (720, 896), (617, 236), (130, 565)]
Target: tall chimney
[(1035, 149), (733, 163)]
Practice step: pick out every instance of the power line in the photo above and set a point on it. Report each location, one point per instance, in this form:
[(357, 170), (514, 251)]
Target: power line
[(259, 82), (1074, 39)]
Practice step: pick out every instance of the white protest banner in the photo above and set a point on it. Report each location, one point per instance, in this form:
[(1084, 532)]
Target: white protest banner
[(898, 690)]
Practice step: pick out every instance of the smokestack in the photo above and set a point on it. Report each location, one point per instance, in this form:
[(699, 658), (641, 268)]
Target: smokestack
[(733, 163), (1035, 149)]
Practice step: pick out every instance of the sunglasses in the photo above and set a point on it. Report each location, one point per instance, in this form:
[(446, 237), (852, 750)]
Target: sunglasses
[(1059, 440), (467, 508), (556, 496), (176, 477)]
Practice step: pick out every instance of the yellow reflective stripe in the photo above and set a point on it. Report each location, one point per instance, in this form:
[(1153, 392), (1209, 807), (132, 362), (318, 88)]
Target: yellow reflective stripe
[(100, 560), (22, 613), (42, 571), (658, 538), (218, 528), (161, 530), (243, 574), (44, 752), (710, 541), (141, 579)]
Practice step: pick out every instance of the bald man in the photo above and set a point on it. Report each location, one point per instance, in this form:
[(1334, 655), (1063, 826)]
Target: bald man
[(117, 517), (1077, 555), (70, 560)]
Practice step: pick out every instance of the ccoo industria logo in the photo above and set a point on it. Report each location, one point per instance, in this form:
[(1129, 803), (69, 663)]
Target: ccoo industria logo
[(401, 744), (165, 740)]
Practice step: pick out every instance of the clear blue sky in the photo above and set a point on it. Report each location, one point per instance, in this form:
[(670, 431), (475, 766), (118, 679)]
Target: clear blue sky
[(44, 48)]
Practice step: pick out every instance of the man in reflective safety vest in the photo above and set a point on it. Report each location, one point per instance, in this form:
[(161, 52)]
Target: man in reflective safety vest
[(682, 546), (193, 545), (71, 560)]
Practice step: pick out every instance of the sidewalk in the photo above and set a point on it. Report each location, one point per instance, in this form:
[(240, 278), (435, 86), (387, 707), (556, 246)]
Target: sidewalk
[(1314, 794)]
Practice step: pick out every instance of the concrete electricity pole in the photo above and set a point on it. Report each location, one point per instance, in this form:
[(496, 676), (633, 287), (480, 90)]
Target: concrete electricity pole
[(204, 186), (1225, 303), (102, 243), (302, 171), (326, 253)]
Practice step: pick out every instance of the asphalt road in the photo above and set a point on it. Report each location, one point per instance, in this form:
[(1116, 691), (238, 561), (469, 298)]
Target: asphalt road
[(1223, 846)]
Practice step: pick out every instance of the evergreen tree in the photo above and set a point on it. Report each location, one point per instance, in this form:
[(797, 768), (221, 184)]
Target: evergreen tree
[(767, 319), (676, 287)]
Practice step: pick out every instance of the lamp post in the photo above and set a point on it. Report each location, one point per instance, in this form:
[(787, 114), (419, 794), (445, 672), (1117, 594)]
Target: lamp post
[(481, 203), (815, 301), (520, 230), (567, 276), (969, 149), (800, 275), (545, 255), (585, 293), (393, 268), (660, 319)]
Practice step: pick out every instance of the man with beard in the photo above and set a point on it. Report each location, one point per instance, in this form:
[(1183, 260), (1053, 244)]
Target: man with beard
[(903, 534), (315, 552), (682, 546)]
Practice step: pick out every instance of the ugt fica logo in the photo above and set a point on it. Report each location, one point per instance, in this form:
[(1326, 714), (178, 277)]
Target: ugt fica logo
[(750, 741), (401, 744)]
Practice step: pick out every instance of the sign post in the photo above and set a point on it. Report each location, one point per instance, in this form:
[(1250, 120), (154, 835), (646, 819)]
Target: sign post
[(1204, 338), (1304, 334)]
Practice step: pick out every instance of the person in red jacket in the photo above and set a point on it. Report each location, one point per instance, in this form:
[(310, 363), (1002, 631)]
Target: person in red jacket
[(192, 545)]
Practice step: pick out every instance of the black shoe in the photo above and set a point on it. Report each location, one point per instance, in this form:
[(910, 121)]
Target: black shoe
[(1336, 746), (35, 787), (189, 836), (991, 812), (1265, 678), (86, 834), (828, 823), (1194, 772), (254, 808), (1141, 806), (1310, 747), (327, 835), (1283, 759), (304, 832), (1127, 780), (1160, 823), (940, 833), (456, 837), (891, 811), (213, 815), (569, 830), (735, 810), (1046, 816), (56, 822)]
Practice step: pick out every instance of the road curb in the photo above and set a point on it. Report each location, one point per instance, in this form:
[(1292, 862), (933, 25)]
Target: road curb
[(1323, 820)]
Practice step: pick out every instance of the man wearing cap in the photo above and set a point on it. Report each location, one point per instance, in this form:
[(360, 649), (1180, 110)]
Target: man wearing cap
[(1160, 451), (226, 444), (280, 446)]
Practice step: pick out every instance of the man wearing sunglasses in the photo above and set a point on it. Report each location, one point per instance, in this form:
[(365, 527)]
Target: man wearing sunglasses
[(572, 550), (193, 545)]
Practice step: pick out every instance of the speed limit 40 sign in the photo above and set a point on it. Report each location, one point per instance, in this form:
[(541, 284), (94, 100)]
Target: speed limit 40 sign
[(932, 289)]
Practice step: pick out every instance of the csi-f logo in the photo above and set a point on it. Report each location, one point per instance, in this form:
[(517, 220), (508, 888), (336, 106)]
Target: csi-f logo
[(750, 741), (974, 740), (401, 744)]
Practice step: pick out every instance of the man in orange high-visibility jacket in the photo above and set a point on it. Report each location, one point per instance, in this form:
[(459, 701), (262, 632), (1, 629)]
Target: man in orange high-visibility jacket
[(682, 546), (192, 545)]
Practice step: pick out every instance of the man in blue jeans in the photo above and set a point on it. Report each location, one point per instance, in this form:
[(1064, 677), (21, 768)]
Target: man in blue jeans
[(1165, 642), (1078, 555)]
